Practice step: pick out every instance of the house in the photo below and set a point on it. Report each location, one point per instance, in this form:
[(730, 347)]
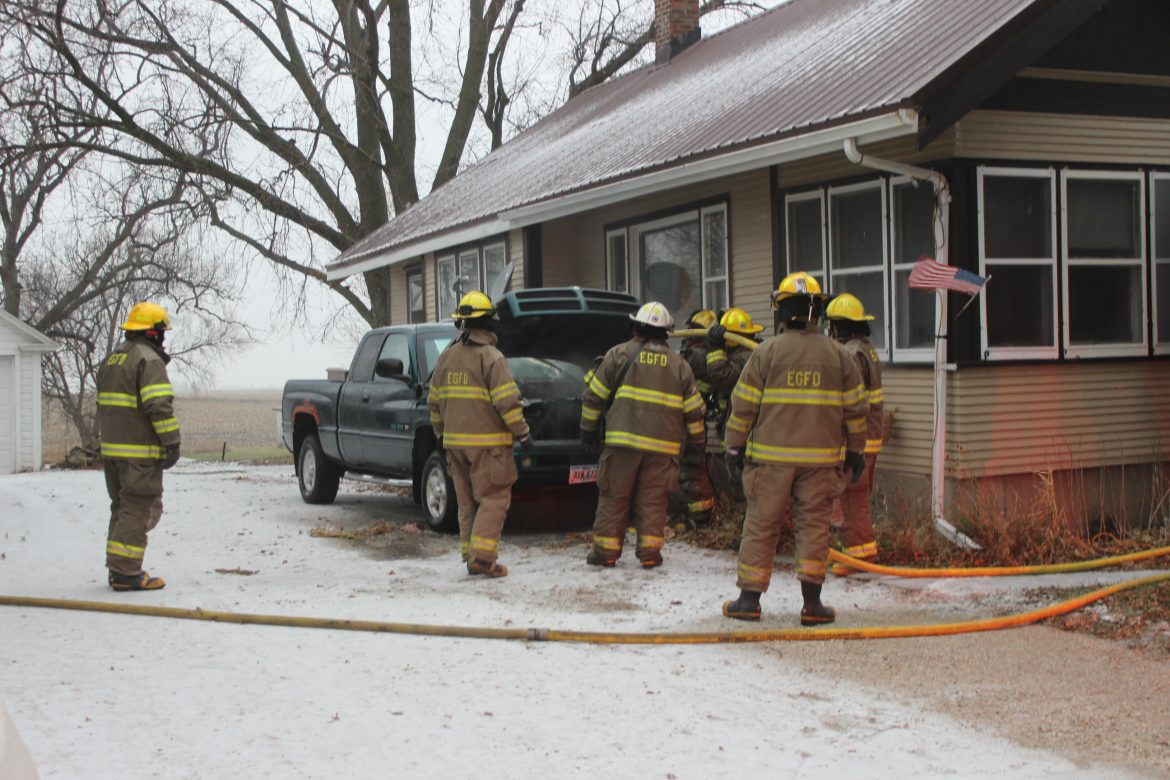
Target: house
[(21, 347), (784, 144)]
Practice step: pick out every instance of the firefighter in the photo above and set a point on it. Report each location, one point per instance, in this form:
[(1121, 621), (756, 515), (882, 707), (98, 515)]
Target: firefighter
[(647, 394), (848, 323), (799, 400), (476, 414), (139, 440), (724, 365), (694, 478)]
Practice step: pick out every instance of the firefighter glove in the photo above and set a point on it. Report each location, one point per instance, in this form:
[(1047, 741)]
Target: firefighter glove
[(734, 459), (171, 456), (591, 441), (715, 336), (854, 464), (526, 444)]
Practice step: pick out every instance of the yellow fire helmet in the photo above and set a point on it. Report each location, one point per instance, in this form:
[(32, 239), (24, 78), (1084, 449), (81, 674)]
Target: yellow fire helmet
[(798, 283), (147, 316), (474, 304), (846, 307), (655, 315), (736, 320), (703, 318)]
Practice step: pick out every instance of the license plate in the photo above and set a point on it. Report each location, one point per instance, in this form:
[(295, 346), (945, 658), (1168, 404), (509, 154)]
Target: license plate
[(580, 475)]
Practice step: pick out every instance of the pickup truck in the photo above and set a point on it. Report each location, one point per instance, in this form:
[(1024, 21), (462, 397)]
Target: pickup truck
[(371, 422)]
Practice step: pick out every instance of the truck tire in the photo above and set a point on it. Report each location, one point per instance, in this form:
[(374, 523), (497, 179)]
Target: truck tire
[(317, 475), (439, 505)]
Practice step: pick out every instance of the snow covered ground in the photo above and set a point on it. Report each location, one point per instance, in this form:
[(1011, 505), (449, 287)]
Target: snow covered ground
[(111, 696)]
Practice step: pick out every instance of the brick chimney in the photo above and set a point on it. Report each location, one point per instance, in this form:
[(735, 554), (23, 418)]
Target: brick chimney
[(676, 26)]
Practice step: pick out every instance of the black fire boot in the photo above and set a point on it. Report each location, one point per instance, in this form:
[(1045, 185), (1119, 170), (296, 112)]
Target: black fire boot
[(139, 581), (814, 613), (746, 607), (595, 558)]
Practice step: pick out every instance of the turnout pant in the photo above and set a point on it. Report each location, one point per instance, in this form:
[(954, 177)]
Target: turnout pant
[(645, 479), (483, 478), (852, 515), (770, 488), (695, 483), (135, 488)]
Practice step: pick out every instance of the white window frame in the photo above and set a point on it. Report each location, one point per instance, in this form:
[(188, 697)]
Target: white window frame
[(817, 195), (1019, 353), (609, 260), (1158, 265), (705, 280), (420, 272), (878, 184), (456, 257), (1103, 350), (908, 354)]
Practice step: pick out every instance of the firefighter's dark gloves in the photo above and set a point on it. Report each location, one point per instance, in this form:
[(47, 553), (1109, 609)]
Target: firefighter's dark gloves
[(171, 456), (591, 441), (855, 465), (526, 445), (734, 459), (439, 445), (715, 336)]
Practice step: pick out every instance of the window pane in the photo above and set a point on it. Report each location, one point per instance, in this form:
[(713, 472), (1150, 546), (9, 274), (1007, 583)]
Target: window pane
[(1017, 217), (362, 369), (415, 293), (468, 273), (618, 270), (446, 284), (495, 261), (915, 328), (1103, 218), (914, 231), (867, 287), (1162, 301), (856, 229), (1019, 306), (715, 243), (1162, 217), (1104, 304), (717, 295), (806, 248), (669, 265)]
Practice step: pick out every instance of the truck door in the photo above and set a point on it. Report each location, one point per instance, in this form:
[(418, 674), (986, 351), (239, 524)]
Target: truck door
[(388, 435), (354, 401)]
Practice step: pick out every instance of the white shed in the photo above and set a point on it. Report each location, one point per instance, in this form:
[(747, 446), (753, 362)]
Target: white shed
[(21, 347)]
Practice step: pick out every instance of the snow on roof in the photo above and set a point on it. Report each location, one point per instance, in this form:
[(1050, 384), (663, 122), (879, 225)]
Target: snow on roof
[(802, 65)]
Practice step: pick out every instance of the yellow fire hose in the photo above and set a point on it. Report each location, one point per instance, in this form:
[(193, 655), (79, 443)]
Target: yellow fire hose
[(997, 571), (596, 637)]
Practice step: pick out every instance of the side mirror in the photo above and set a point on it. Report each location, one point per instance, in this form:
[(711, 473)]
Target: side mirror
[(391, 368)]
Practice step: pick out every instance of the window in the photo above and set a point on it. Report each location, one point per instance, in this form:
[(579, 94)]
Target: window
[(1104, 263), (483, 268), (1160, 188), (362, 368), (397, 346), (804, 227), (415, 296), (679, 260), (913, 224), (857, 249), (1017, 224)]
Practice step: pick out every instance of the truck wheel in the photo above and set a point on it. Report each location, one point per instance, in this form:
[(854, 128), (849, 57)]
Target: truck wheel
[(318, 477), (440, 507)]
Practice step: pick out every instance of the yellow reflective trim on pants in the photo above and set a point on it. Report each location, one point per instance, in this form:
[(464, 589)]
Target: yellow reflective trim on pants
[(117, 399), (799, 455), (590, 414), (156, 391), (145, 451), (651, 542), (754, 574), (748, 393), (483, 544), (867, 550), (646, 395), (716, 356), (807, 566), (600, 390), (692, 403), (513, 416), (477, 439), (645, 443), (476, 393), (696, 427), (873, 446), (165, 426), (737, 423), (701, 506), (611, 543), (125, 550), (504, 390)]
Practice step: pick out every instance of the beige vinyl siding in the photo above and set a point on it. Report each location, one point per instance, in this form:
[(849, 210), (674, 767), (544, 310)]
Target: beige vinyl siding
[(559, 266), (823, 168), (430, 274), (516, 257), (909, 393), (1013, 135), (398, 303), (1059, 416)]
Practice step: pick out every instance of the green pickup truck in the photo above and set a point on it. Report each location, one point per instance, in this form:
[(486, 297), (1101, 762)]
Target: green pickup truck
[(372, 424)]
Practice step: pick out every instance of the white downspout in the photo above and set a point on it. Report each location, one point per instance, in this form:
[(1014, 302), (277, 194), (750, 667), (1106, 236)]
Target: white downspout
[(942, 240)]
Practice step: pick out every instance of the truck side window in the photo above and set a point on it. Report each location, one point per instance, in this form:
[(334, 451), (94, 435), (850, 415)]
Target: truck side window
[(397, 346), (366, 357)]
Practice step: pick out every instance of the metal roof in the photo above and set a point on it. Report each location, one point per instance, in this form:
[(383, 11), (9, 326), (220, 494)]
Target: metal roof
[(804, 65)]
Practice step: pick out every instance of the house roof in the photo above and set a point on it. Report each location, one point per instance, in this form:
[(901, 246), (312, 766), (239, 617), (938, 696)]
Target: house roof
[(805, 65), (33, 339)]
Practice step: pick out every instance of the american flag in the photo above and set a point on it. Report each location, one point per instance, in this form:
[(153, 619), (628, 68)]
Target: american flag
[(929, 274)]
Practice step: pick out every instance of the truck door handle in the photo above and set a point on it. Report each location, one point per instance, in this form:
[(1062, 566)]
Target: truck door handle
[(365, 396)]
